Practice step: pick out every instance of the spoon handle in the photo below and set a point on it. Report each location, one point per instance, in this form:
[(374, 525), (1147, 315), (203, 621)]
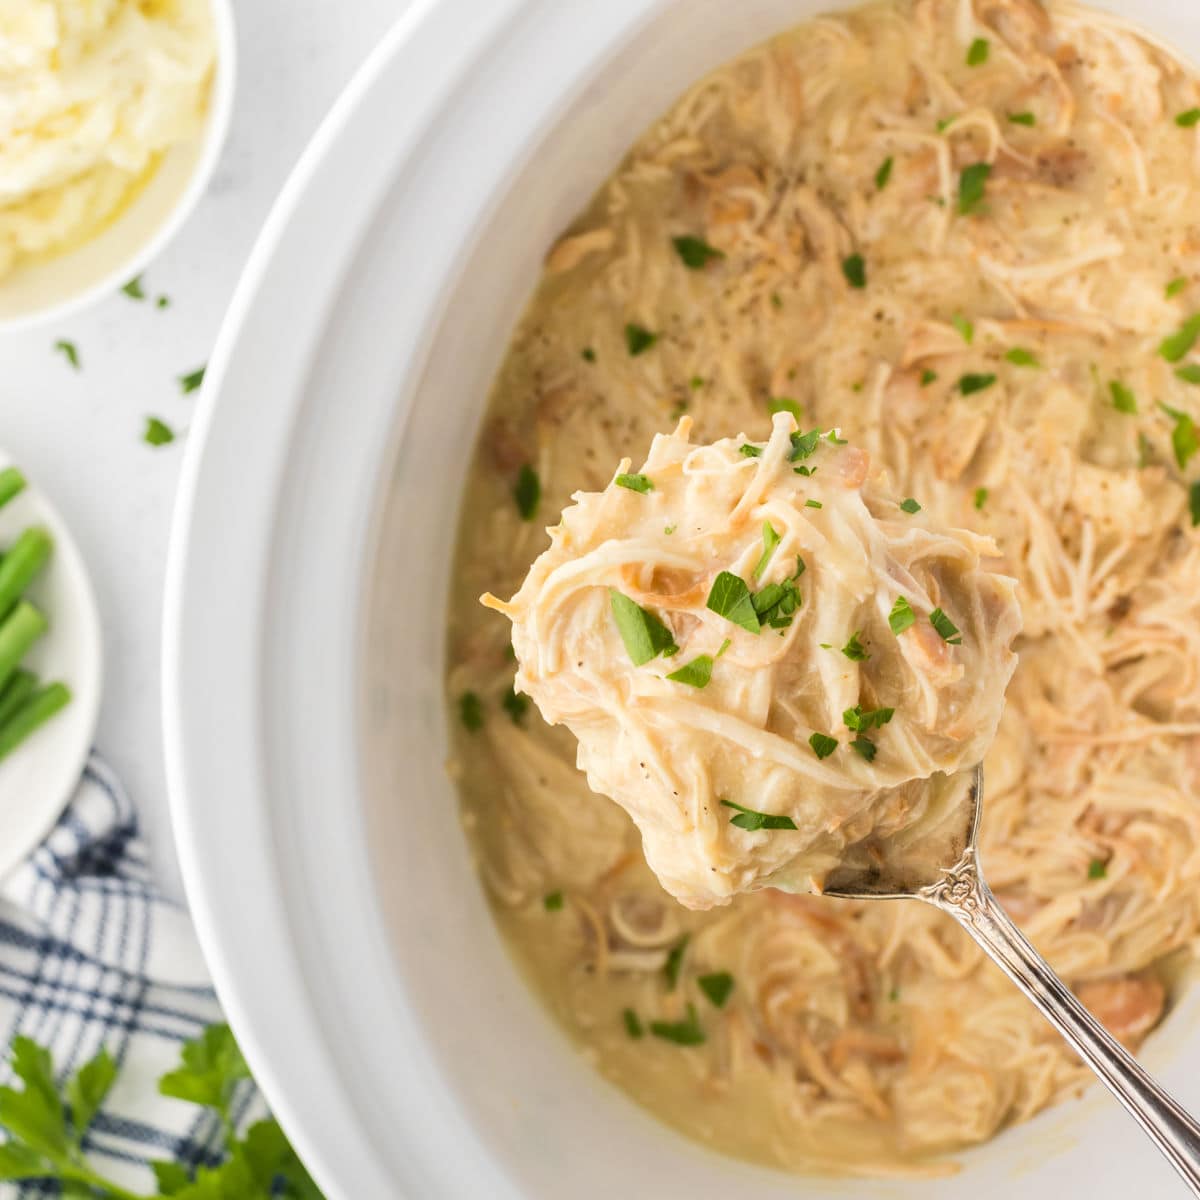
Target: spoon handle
[(966, 897)]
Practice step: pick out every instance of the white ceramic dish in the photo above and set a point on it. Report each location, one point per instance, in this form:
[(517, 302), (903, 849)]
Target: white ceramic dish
[(330, 884), (48, 291), (37, 779)]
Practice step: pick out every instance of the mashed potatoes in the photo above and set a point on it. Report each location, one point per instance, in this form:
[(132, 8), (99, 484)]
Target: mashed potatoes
[(92, 93)]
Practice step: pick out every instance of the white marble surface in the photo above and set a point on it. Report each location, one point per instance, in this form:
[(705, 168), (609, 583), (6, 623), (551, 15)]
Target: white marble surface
[(80, 433)]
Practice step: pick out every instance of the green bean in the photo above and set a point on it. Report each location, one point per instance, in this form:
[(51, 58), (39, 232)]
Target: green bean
[(18, 631), (19, 567), (32, 714), (12, 483), (20, 686)]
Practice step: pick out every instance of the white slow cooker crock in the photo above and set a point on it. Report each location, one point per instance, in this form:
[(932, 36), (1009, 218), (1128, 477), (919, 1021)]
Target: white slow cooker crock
[(309, 569)]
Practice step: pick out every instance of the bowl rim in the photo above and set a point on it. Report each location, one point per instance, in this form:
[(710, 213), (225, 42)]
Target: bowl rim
[(216, 133)]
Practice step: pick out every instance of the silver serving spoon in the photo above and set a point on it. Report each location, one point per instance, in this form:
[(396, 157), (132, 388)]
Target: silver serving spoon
[(917, 870)]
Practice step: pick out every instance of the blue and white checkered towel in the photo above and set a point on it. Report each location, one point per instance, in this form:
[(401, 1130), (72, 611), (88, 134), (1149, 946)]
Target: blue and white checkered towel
[(92, 955)]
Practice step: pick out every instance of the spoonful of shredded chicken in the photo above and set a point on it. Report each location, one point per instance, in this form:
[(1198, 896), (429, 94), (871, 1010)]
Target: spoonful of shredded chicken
[(751, 640), (788, 677)]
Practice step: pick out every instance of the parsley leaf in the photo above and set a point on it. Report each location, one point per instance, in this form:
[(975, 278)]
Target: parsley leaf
[(69, 351), (730, 598), (644, 635), (635, 483), (1097, 869), (211, 1069), (192, 380), (158, 433), (972, 182), (638, 339), (1184, 440), (1189, 373), (1177, 285), (1022, 118), (966, 330), (1174, 347), (910, 505), (884, 173), (633, 1024), (747, 818), (133, 289), (854, 650), (970, 384), (1020, 357), (804, 444), (695, 252), (552, 901), (927, 377), (945, 627), (717, 986), (770, 541), (748, 451), (778, 404), (977, 52), (588, 354), (695, 674), (822, 744), (864, 747), (1194, 503), (682, 1033), (1122, 397), (901, 617), (516, 705), (527, 492), (981, 495), (855, 271), (861, 720), (1185, 120), (674, 963), (813, 504)]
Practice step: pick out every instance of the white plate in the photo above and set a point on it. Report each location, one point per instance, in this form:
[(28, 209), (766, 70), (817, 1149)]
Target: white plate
[(37, 778)]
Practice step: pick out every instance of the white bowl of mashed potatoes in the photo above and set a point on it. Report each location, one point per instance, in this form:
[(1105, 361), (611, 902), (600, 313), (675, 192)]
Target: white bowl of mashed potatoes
[(112, 116), (439, 1016)]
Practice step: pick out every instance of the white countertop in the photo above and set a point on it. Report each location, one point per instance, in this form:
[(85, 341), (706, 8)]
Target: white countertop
[(79, 433)]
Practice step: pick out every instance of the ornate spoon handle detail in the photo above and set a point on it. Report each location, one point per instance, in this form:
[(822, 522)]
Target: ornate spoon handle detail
[(966, 897)]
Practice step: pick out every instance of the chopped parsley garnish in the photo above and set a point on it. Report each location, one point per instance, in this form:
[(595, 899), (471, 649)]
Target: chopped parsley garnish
[(862, 720), (864, 747), (192, 380), (778, 404), (834, 440), (776, 300), (696, 383), (770, 541), (1185, 120), (717, 986), (638, 339), (804, 444), (588, 354), (927, 377), (854, 650), (813, 504), (470, 711), (516, 705), (910, 505), (805, 471), (730, 598), (965, 329), (1097, 869), (748, 451), (724, 646), (633, 1024), (674, 963), (946, 628), (971, 185), (946, 122), (133, 289), (776, 604), (1022, 118), (1194, 503), (669, 529), (695, 674), (1122, 397), (1176, 286), (981, 496), (884, 173), (552, 901), (69, 351), (977, 52), (695, 252), (682, 1033), (1189, 373), (1020, 357), (971, 383), (822, 744), (163, 302), (644, 635), (158, 433), (855, 271), (1184, 440), (635, 483), (527, 492), (747, 818), (1173, 348), (902, 616)]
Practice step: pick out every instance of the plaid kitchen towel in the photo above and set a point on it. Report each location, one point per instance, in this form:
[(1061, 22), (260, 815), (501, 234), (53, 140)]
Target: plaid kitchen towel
[(92, 955)]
